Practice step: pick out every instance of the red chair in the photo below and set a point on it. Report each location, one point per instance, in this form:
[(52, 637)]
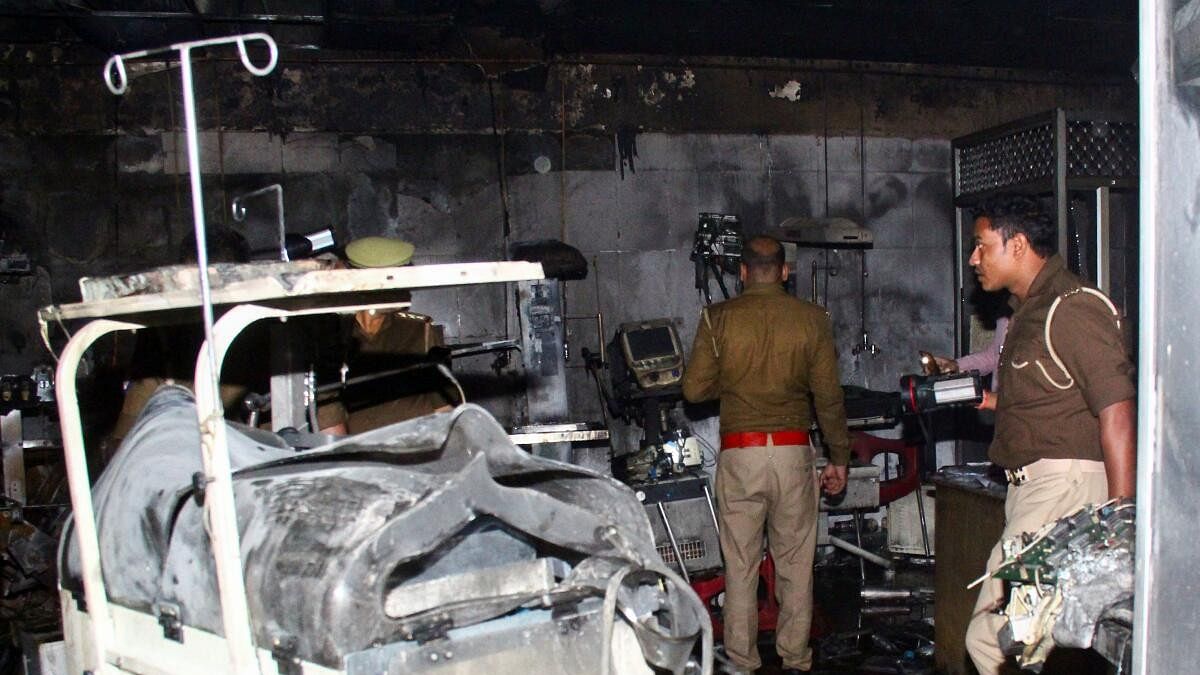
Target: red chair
[(865, 447), (711, 588)]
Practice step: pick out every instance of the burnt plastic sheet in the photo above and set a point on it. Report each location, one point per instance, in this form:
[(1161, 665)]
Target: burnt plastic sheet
[(331, 537)]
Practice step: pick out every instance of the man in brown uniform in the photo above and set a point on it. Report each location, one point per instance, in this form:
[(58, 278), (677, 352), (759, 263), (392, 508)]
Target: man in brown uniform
[(1065, 416), (388, 341), (392, 340), (769, 358)]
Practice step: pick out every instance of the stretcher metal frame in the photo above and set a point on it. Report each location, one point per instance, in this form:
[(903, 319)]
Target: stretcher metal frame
[(115, 636), (108, 638)]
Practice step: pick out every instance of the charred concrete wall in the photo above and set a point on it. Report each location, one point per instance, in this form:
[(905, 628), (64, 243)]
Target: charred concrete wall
[(615, 158)]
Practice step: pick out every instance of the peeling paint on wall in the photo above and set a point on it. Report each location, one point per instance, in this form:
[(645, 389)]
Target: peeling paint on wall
[(790, 91), (666, 83), (584, 88), (651, 96)]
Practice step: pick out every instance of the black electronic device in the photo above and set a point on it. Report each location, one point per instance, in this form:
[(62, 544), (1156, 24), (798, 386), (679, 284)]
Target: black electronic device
[(644, 374), (716, 250), (923, 393), (299, 246), (653, 353)]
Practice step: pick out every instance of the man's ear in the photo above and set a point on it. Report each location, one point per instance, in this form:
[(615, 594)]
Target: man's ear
[(1020, 244), (786, 271), (743, 272)]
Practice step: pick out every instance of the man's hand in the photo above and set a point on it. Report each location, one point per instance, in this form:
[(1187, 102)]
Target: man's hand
[(946, 365), (833, 479), (988, 402)]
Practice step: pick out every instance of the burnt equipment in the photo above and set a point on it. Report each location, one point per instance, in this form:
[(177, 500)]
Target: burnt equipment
[(716, 250), (653, 353)]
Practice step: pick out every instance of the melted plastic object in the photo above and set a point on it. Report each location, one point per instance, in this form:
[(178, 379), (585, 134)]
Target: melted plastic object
[(331, 539)]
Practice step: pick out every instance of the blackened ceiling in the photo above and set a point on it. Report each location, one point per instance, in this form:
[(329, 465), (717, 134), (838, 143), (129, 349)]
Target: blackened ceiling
[(1081, 36)]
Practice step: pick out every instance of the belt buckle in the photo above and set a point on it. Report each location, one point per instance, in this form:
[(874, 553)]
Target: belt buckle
[(1016, 476)]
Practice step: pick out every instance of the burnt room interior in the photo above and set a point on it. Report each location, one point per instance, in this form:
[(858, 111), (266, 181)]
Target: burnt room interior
[(430, 409)]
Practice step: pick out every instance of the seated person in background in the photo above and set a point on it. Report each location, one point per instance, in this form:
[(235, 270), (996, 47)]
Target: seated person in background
[(387, 341)]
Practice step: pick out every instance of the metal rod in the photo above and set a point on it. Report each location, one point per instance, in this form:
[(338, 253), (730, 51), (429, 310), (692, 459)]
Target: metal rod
[(75, 459), (222, 516), (879, 594), (239, 213), (1103, 274), (861, 552), (674, 545), (1156, 97), (862, 567), (921, 515), (711, 511), (1060, 179), (193, 147), (600, 330)]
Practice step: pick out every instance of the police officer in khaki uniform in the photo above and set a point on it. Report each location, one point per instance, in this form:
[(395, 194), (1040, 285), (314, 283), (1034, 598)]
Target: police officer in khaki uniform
[(390, 340), (1065, 415), (770, 359)]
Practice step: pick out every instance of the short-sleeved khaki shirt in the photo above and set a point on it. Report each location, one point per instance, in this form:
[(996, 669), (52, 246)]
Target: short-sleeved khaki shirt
[(1043, 411), (770, 359)]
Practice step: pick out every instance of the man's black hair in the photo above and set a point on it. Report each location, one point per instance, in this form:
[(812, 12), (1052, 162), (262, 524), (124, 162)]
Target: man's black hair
[(1010, 214), (758, 264)]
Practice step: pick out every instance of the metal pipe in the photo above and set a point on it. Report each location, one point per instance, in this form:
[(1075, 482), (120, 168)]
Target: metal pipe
[(1060, 179), (877, 594), (219, 507), (862, 566), (711, 511), (885, 610), (862, 553), (662, 512), (921, 514), (75, 460), (1154, 54), (1103, 274)]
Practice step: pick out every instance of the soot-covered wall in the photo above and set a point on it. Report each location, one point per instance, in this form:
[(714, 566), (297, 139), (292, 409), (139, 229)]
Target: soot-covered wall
[(614, 157)]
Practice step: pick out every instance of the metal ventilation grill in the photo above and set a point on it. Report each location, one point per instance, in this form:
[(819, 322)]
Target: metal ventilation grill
[(1017, 158), (1102, 149), (691, 550)]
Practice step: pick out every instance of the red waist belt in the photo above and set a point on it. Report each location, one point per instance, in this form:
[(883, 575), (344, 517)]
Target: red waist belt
[(758, 439)]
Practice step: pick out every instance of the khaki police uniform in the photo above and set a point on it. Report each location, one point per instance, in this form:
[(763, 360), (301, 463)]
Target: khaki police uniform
[(770, 359), (403, 339), (400, 339), (1047, 421)]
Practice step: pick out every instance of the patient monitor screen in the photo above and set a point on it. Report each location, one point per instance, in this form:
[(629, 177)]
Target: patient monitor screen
[(650, 343)]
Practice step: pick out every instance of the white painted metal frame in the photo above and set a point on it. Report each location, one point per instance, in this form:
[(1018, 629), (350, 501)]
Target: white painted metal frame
[(100, 652), (1154, 54), (219, 509), (100, 627), (302, 284), (1103, 241), (103, 653), (138, 646)]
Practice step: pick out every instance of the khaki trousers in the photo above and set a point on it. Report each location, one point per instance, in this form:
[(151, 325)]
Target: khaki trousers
[(1068, 485), (775, 486)]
